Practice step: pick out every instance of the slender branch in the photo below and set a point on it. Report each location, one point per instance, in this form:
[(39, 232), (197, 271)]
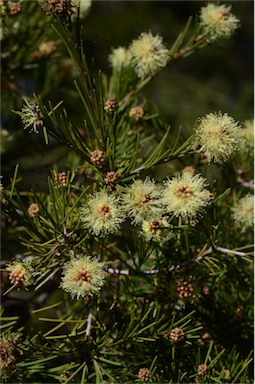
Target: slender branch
[(89, 324), (114, 271), (137, 170), (140, 86), (230, 251), (198, 259)]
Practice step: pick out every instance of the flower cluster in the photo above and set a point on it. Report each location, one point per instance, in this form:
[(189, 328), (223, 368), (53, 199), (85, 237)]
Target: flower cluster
[(243, 212), (185, 195), (158, 231), (102, 214), (147, 205), (218, 136), (149, 54), (83, 276), (217, 21), (120, 58), (142, 201)]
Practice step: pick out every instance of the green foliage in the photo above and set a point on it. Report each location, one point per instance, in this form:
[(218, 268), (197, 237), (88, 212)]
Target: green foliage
[(176, 305)]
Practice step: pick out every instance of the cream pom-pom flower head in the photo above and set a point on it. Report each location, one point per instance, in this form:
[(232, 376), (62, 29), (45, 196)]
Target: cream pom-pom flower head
[(102, 214), (185, 195), (218, 136), (243, 212), (142, 201), (149, 54), (83, 276), (218, 21), (248, 134), (158, 231), (120, 57)]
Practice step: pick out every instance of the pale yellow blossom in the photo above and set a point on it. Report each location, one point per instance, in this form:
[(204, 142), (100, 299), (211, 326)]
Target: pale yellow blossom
[(217, 21), (149, 54)]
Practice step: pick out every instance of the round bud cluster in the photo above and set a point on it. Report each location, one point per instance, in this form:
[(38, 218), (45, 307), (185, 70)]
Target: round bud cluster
[(110, 106), (110, 177), (45, 49), (58, 7), (136, 113), (202, 370), (65, 374), (227, 375), (185, 290), (189, 169), (61, 179), (144, 374), (17, 276), (14, 8), (177, 334), (33, 209), (97, 157)]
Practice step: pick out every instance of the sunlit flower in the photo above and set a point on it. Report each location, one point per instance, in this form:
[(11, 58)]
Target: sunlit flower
[(243, 212), (149, 55), (217, 20), (218, 136), (83, 276), (20, 273), (120, 57), (157, 231), (101, 214), (185, 195), (142, 201)]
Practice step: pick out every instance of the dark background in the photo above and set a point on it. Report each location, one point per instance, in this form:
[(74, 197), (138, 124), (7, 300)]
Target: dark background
[(219, 77)]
